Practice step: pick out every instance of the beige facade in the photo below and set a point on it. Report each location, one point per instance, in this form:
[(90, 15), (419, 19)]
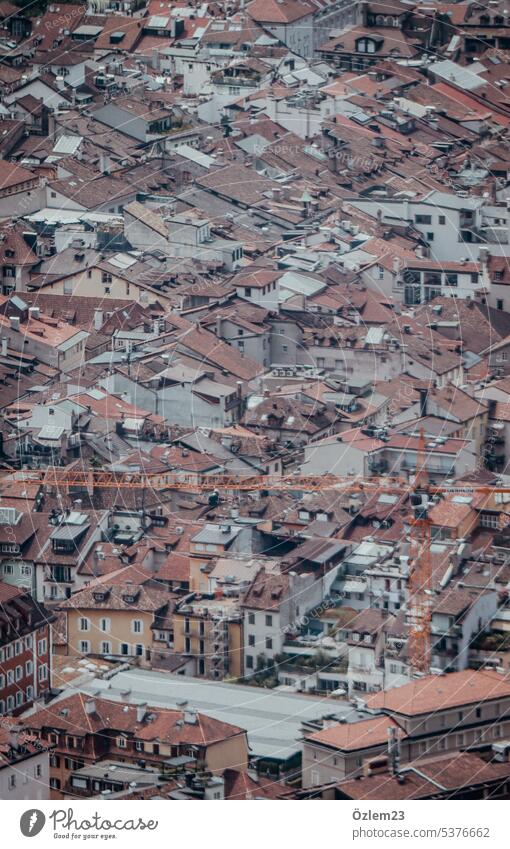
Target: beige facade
[(126, 633), (470, 727), (97, 283), (215, 644)]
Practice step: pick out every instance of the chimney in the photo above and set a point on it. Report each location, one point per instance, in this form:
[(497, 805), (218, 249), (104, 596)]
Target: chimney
[(483, 256), (423, 401), (393, 751), (14, 737), (4, 347), (141, 712), (190, 717), (218, 326), (104, 164), (34, 312), (98, 319), (15, 322), (90, 707)]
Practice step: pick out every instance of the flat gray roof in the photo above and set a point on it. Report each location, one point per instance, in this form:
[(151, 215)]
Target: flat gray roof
[(272, 718)]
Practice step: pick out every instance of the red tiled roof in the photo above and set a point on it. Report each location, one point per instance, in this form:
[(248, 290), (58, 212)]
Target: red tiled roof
[(439, 692), (351, 736), (279, 11)]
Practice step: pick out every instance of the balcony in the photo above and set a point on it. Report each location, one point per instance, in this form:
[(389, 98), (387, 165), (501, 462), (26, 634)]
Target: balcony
[(242, 82), (58, 577), (450, 631)]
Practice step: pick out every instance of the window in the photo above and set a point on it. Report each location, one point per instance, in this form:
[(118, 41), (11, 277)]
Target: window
[(137, 626), (29, 693), (251, 619), (247, 292), (442, 219), (106, 277), (121, 742), (104, 625), (251, 639), (269, 620), (365, 45), (423, 219), (430, 237), (19, 698), (19, 673), (12, 782), (139, 650), (106, 648), (269, 643), (499, 304), (42, 646), (249, 661), (489, 520), (84, 646), (84, 624)]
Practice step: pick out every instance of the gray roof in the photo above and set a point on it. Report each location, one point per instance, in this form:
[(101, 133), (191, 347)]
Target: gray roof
[(465, 77), (68, 532), (217, 534), (271, 718), (73, 340)]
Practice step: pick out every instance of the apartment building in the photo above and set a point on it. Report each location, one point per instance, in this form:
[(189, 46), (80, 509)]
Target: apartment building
[(466, 710), (208, 630), (82, 731), (25, 650)]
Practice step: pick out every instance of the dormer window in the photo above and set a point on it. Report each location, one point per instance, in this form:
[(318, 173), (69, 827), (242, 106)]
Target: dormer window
[(99, 596), (366, 45)]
